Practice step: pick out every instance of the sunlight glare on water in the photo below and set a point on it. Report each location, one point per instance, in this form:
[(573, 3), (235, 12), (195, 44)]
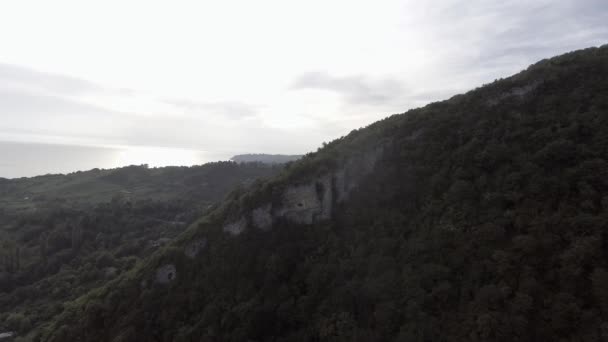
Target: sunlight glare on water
[(32, 159)]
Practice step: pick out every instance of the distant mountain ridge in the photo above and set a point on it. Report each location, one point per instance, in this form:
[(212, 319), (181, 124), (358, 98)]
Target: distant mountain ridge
[(265, 158)]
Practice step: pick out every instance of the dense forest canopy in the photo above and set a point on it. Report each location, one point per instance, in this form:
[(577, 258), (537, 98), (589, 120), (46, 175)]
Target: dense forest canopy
[(265, 158), (63, 235), (479, 218)]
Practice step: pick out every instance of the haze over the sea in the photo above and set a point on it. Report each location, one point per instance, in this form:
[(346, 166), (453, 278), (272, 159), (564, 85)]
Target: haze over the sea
[(273, 77), (18, 159)]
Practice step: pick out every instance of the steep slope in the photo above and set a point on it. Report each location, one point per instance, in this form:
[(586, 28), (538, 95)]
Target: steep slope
[(480, 218), (62, 235)]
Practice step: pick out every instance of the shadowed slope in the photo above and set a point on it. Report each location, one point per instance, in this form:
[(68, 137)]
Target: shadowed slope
[(480, 218)]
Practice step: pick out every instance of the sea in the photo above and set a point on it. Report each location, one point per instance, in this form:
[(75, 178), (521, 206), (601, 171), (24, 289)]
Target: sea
[(22, 159)]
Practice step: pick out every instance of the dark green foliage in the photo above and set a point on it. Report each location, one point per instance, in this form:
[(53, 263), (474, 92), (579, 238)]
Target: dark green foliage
[(59, 244), (485, 220)]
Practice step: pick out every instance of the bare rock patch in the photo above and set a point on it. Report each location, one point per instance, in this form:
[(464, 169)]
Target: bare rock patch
[(236, 227), (262, 217), (166, 274)]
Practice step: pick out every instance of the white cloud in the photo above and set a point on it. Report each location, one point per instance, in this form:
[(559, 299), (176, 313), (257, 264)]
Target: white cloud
[(266, 76)]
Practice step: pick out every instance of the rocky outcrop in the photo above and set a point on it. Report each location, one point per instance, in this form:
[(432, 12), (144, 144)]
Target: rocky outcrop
[(261, 217), (166, 274), (311, 202), (236, 227), (307, 203), (7, 336)]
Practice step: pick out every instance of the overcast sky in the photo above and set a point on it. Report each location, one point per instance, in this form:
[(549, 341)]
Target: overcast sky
[(259, 76)]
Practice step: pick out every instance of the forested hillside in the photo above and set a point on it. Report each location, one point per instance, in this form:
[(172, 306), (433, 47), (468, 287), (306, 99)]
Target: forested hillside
[(62, 235), (480, 218), (265, 158)]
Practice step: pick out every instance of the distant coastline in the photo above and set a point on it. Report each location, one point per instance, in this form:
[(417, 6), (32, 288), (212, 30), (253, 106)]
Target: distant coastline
[(24, 159)]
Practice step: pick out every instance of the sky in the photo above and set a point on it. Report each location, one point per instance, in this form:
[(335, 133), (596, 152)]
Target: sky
[(266, 76)]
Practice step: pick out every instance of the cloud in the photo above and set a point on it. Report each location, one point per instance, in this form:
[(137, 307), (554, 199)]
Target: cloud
[(21, 77), (49, 108), (407, 54), (442, 48), (227, 109), (356, 90), (59, 116), (478, 35)]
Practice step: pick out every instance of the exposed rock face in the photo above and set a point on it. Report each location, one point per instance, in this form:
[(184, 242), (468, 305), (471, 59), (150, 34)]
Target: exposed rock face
[(7, 336), (236, 227), (166, 274), (311, 202), (195, 247), (300, 204), (262, 218)]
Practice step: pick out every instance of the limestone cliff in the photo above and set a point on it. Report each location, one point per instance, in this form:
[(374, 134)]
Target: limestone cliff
[(309, 202)]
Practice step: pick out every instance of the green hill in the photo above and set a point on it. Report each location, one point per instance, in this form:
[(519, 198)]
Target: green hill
[(63, 235), (479, 218), (265, 158)]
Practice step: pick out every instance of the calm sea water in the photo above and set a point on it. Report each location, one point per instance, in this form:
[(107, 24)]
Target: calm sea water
[(31, 159)]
